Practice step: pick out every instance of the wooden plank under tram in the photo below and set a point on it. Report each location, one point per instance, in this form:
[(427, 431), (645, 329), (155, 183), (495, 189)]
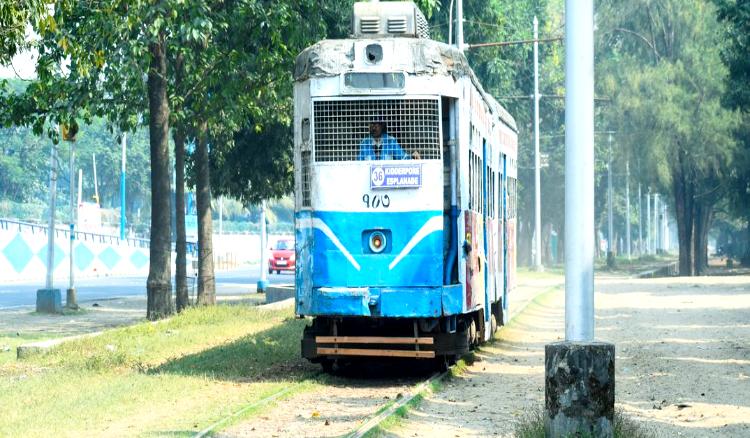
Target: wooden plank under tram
[(374, 352), (372, 340)]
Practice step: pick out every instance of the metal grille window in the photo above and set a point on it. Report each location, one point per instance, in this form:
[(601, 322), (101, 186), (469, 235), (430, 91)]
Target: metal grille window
[(341, 125), (306, 202)]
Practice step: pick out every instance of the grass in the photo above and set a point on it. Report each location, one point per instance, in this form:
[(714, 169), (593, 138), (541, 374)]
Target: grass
[(10, 341), (532, 426), (173, 377)]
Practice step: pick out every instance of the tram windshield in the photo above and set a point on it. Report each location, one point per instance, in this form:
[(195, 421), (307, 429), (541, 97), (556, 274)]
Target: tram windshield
[(342, 127), (374, 80)]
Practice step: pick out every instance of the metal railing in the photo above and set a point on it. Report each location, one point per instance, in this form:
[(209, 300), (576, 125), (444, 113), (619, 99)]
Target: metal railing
[(84, 236)]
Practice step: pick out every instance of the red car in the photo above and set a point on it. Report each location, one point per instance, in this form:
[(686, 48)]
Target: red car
[(282, 256)]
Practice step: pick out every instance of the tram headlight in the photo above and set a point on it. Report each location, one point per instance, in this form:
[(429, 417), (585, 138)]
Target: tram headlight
[(378, 242)]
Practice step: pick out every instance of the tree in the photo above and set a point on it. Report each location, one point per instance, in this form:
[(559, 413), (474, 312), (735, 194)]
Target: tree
[(735, 15), (662, 68), (15, 16)]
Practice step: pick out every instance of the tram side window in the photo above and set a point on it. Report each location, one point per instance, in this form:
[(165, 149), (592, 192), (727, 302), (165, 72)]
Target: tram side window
[(340, 126)]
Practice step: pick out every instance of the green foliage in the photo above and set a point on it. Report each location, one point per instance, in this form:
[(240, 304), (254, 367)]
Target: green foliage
[(660, 63), (507, 73), (14, 17)]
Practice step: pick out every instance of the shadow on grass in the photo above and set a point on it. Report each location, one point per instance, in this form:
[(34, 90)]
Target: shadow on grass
[(269, 355)]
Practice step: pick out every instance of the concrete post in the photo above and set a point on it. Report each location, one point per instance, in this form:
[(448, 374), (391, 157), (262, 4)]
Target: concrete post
[(627, 209), (460, 25), (610, 234), (656, 246), (537, 178), (579, 373), (71, 300), (640, 222), (263, 282), (48, 300), (648, 222)]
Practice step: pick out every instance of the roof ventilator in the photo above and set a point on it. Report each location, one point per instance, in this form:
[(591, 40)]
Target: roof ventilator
[(392, 18)]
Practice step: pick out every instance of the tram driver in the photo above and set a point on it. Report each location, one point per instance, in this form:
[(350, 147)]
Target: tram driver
[(379, 145)]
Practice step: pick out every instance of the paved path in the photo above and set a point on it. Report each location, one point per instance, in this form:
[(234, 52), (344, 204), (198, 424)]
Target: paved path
[(682, 364)]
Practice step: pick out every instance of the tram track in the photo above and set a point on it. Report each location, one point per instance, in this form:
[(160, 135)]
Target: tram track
[(369, 422)]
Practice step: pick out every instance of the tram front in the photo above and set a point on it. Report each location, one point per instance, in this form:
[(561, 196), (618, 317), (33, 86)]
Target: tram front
[(370, 200)]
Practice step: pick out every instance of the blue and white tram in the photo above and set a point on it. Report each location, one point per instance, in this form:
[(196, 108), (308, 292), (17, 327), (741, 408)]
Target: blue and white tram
[(409, 257)]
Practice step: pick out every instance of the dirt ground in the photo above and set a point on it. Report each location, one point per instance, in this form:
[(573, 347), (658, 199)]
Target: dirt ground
[(337, 408), (682, 362)]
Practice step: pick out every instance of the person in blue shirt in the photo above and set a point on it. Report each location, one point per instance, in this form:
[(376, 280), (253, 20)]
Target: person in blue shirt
[(381, 146)]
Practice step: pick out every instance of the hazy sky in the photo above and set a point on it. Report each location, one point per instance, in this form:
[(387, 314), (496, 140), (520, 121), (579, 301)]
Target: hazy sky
[(23, 63)]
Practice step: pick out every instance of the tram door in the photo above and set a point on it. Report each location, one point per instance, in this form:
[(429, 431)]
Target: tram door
[(450, 189)]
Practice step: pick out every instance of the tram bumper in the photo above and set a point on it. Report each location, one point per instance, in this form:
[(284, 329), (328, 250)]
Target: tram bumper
[(394, 302)]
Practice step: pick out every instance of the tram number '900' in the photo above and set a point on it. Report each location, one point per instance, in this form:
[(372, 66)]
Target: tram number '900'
[(376, 201)]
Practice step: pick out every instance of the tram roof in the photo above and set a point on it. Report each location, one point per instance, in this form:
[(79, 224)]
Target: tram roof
[(329, 58)]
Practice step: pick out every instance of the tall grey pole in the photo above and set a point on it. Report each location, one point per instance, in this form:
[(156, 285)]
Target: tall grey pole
[(648, 221), (656, 223), (450, 23), (460, 25), (51, 222), (537, 186), (70, 296), (124, 144), (579, 170), (610, 234), (627, 208), (640, 222), (263, 282), (579, 372)]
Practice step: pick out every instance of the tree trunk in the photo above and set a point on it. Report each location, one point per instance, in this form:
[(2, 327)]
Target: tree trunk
[(683, 202), (180, 135), (703, 216), (206, 281), (159, 284), (181, 289)]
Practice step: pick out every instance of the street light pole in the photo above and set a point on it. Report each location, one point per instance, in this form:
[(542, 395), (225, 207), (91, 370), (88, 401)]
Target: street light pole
[(648, 221), (579, 372), (610, 247), (460, 25), (70, 296), (640, 222), (537, 186), (124, 143), (263, 282), (48, 299), (627, 207)]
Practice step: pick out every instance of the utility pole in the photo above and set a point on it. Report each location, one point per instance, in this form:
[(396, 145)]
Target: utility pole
[(460, 25), (263, 282), (579, 372), (48, 299), (96, 184), (610, 234), (71, 301), (640, 222), (124, 142), (221, 215), (656, 223), (627, 207), (648, 221), (537, 184)]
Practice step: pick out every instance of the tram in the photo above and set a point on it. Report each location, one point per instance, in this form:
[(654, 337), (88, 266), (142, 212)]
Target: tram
[(405, 194)]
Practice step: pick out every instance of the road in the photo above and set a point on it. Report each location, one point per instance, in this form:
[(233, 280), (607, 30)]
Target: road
[(237, 281)]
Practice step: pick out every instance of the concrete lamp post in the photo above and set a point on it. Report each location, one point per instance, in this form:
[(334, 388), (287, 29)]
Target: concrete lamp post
[(579, 372)]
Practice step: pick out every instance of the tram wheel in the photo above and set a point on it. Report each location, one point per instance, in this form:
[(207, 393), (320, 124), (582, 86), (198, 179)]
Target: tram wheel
[(278, 271), (493, 326), (327, 365)]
